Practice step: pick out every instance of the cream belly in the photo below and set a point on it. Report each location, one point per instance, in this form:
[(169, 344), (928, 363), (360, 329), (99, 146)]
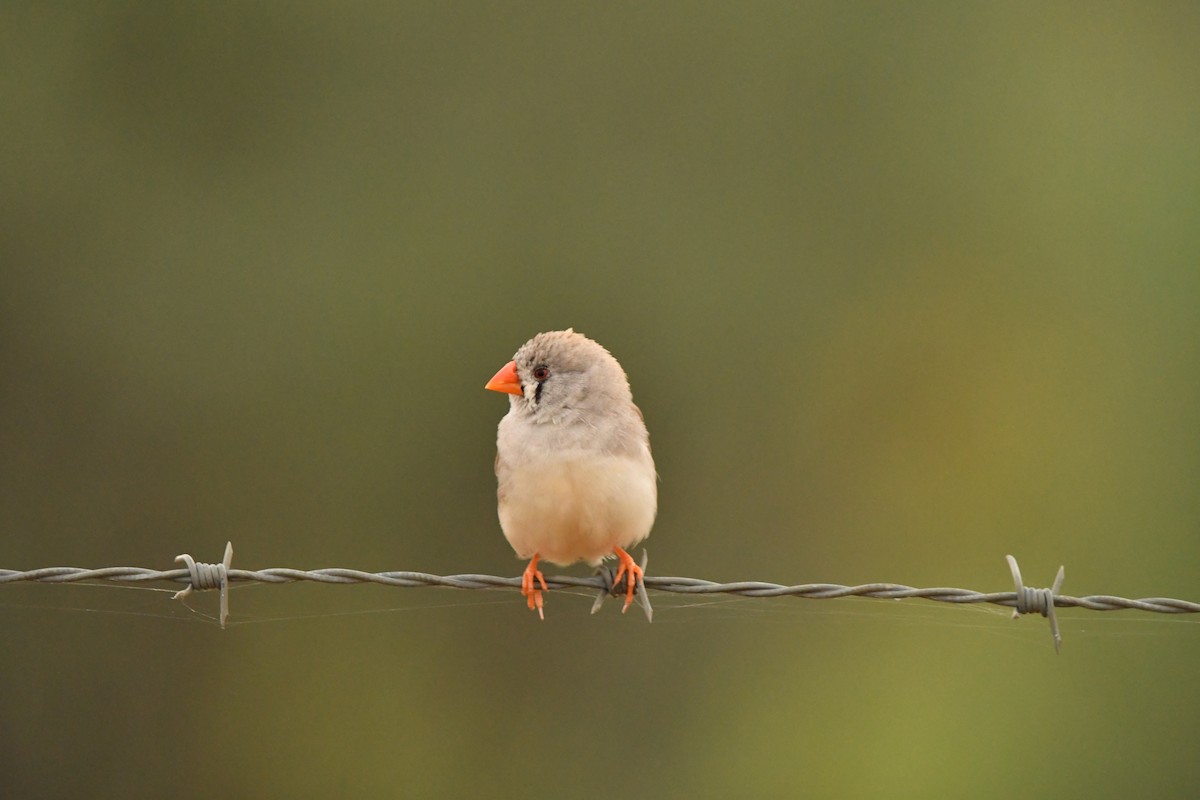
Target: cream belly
[(568, 510)]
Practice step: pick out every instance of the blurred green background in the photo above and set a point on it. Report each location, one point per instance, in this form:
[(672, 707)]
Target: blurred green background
[(901, 288)]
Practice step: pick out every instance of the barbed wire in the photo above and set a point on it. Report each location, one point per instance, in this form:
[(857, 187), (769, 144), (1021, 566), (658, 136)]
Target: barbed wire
[(201, 577)]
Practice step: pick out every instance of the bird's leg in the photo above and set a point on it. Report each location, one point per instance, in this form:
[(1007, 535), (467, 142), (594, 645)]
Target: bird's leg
[(533, 595), (632, 572)]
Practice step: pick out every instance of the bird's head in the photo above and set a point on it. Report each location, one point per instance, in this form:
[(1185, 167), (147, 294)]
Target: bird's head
[(560, 372)]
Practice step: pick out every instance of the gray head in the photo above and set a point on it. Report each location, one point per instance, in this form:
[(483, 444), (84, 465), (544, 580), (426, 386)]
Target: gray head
[(565, 373)]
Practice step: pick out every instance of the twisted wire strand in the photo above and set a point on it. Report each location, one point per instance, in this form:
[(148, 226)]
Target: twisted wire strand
[(199, 577), (678, 585)]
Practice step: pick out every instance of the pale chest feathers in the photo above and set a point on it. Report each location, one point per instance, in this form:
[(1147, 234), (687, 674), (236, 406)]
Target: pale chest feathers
[(576, 505)]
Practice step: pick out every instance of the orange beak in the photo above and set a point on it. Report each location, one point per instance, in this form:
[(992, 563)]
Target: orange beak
[(506, 380)]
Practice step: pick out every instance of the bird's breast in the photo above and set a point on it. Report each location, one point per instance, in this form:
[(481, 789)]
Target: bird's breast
[(577, 507)]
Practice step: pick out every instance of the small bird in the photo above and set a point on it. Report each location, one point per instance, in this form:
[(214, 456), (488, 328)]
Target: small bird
[(576, 481)]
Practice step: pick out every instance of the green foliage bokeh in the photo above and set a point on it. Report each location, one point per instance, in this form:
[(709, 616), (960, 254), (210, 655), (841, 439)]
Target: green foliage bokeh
[(901, 288)]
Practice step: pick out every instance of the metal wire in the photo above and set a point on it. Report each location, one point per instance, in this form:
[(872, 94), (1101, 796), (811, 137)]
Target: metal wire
[(199, 577)]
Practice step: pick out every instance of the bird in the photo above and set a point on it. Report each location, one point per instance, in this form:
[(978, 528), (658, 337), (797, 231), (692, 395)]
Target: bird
[(575, 480)]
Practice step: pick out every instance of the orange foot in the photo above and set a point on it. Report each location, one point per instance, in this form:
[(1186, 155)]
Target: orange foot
[(632, 572), (533, 595)]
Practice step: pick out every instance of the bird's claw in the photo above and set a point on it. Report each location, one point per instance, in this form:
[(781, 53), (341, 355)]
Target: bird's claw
[(632, 573), (533, 595)]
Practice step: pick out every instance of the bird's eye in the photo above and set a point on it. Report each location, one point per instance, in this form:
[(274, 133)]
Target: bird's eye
[(541, 373)]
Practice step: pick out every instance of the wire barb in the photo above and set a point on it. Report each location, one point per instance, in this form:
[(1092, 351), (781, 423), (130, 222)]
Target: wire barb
[(1037, 601), (203, 577), (643, 598)]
